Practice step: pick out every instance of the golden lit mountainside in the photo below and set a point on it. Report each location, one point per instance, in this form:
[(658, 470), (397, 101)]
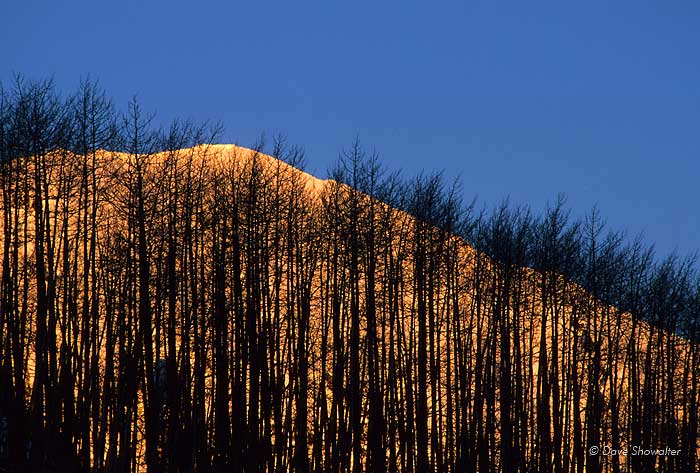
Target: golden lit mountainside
[(214, 308)]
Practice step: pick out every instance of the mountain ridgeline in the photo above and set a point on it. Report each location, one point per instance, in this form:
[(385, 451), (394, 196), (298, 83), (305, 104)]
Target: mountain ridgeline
[(180, 306)]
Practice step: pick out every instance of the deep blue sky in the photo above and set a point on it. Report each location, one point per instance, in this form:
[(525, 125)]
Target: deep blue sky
[(597, 99)]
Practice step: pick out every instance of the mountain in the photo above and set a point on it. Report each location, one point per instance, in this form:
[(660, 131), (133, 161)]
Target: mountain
[(213, 308)]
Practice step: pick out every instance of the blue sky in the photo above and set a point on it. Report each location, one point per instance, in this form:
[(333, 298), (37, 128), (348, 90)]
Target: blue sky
[(599, 100)]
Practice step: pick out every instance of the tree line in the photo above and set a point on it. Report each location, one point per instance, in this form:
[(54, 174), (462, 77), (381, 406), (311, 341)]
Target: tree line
[(172, 305)]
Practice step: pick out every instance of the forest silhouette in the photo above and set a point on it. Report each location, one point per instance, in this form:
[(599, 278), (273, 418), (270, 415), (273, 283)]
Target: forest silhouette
[(169, 304)]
